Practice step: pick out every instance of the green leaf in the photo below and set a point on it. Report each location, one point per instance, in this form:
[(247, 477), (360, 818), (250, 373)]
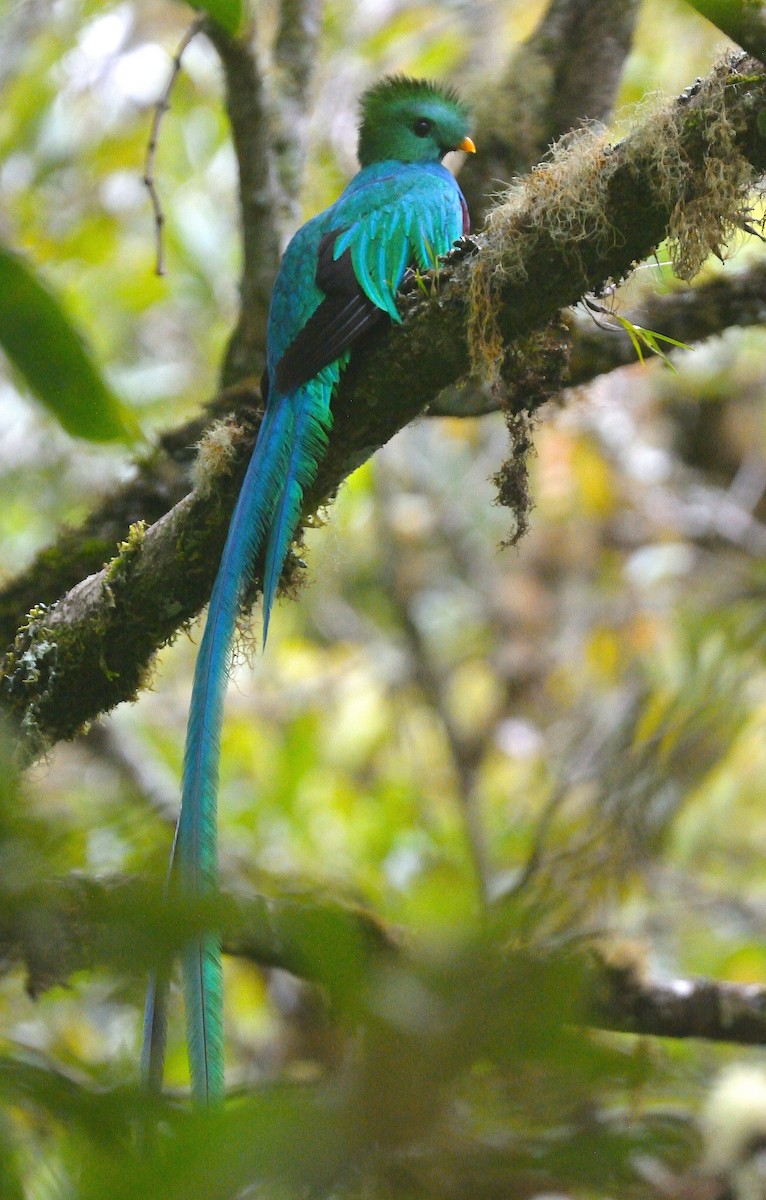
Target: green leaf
[(11, 1187), (226, 13), (43, 345), (638, 335)]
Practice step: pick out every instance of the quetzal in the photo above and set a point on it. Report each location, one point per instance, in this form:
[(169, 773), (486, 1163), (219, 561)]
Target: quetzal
[(338, 278)]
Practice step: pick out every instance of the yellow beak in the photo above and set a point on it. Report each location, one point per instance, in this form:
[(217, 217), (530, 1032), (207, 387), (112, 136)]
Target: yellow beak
[(467, 145)]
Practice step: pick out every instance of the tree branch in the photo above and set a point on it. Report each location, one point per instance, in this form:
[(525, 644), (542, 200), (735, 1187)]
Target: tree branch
[(55, 929), (58, 929), (161, 480), (566, 73), (268, 128), (259, 202), (564, 231), (268, 132), (295, 52), (714, 1010), (736, 299)]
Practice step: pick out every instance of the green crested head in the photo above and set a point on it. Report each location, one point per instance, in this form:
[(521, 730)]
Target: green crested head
[(411, 120)]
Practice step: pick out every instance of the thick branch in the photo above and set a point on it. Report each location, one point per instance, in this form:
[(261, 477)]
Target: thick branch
[(160, 481), (596, 346), (566, 73), (93, 648), (81, 923), (732, 299), (56, 929)]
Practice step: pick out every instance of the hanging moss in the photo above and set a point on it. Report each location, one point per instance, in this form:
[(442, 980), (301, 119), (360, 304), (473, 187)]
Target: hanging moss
[(566, 197), (216, 454), (693, 162)]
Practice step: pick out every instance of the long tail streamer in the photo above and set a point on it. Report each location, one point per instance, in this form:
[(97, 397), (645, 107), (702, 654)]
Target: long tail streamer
[(292, 437)]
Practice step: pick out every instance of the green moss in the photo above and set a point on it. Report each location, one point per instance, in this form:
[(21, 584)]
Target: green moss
[(127, 551), (696, 175), (29, 672)]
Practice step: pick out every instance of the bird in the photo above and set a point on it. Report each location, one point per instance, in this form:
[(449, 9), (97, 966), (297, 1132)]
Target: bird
[(337, 280)]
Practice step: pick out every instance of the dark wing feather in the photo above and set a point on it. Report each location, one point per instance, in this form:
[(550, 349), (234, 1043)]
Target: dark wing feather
[(342, 317)]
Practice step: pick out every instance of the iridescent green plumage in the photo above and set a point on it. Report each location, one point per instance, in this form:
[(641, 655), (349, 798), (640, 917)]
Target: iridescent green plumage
[(338, 278)]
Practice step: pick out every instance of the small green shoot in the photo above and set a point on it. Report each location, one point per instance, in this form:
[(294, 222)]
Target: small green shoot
[(647, 338), (641, 338), (420, 282)]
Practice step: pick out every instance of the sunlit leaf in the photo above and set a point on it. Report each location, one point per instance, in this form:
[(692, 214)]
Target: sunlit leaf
[(227, 13), (46, 349)]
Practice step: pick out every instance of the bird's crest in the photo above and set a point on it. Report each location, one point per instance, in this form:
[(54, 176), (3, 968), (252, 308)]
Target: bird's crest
[(410, 120), (393, 88)]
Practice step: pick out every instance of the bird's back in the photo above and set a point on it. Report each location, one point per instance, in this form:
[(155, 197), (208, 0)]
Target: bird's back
[(417, 205)]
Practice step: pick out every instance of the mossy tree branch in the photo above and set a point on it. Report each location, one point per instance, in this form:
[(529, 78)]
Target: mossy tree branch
[(564, 232), (690, 314), (161, 480), (596, 345), (577, 47)]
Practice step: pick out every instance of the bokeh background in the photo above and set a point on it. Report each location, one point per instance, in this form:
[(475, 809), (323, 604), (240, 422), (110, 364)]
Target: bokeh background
[(574, 727)]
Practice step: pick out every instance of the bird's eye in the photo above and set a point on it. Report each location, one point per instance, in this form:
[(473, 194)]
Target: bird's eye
[(423, 126)]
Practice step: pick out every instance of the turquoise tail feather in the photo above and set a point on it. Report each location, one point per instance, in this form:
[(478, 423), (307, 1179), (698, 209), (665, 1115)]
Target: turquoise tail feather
[(308, 444), (293, 434), (198, 821)]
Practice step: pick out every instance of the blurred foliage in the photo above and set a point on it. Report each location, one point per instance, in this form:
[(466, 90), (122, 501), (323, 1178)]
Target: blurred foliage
[(572, 731), (40, 342), (227, 13)]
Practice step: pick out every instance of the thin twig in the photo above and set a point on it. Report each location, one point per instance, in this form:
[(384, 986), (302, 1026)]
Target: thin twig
[(162, 106)]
